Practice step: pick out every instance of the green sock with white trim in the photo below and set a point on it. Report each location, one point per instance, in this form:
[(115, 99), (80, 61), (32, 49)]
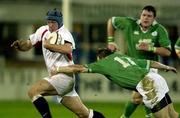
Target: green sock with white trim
[(148, 112)]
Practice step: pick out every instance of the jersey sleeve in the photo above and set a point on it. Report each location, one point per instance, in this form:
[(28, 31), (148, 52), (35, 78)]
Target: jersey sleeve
[(163, 38), (121, 22), (98, 66), (67, 36), (143, 63), (37, 36), (92, 68)]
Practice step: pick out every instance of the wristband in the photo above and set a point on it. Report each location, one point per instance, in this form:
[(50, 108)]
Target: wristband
[(110, 39)]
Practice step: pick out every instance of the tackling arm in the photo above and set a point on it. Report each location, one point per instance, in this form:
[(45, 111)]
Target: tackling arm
[(155, 64), (69, 69)]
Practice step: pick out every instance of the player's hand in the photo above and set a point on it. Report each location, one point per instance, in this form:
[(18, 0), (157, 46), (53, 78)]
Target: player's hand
[(46, 42), (144, 46), (169, 68), (15, 44), (112, 46), (22, 45)]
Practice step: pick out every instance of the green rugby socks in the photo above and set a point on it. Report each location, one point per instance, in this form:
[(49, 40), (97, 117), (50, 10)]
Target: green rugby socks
[(129, 109)]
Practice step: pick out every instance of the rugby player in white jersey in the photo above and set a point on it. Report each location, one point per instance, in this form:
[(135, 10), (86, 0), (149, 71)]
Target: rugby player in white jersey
[(58, 54)]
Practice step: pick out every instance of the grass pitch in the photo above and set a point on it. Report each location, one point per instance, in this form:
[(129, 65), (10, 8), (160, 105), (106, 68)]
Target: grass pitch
[(25, 109)]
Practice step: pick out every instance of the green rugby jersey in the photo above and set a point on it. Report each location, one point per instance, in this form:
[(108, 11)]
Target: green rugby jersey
[(177, 45), (121, 69), (156, 36)]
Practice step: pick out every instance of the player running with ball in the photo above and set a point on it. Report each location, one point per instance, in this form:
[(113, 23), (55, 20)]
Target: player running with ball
[(59, 54)]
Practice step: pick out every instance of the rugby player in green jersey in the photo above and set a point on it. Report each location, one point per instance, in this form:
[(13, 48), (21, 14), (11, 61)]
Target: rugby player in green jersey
[(145, 39), (177, 47), (152, 87)]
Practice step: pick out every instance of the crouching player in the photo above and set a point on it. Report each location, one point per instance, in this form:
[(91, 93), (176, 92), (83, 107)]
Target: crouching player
[(152, 86)]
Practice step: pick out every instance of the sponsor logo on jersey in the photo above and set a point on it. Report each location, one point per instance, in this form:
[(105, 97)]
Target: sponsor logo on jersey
[(154, 33), (144, 41)]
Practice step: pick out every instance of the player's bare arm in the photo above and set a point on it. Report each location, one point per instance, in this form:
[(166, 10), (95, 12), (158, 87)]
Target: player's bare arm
[(66, 48), (158, 50), (162, 51), (110, 29), (155, 64), (69, 69), (110, 38), (22, 45)]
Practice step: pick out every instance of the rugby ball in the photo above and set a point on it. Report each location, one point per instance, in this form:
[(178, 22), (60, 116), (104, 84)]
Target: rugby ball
[(53, 37)]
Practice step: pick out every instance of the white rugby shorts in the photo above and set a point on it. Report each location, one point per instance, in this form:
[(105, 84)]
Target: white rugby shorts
[(64, 85), (152, 88)]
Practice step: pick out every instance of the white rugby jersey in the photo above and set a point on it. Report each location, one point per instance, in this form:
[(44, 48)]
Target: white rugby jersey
[(54, 58)]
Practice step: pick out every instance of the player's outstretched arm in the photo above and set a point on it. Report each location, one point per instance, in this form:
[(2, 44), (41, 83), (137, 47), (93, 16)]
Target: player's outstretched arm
[(158, 65), (69, 69), (22, 45)]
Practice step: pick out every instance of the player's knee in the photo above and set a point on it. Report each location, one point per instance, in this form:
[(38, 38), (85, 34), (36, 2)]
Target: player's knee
[(32, 92), (137, 100)]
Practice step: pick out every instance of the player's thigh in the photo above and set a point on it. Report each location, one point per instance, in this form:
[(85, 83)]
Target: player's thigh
[(62, 83), (163, 113), (172, 112), (136, 97), (42, 87), (75, 105)]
